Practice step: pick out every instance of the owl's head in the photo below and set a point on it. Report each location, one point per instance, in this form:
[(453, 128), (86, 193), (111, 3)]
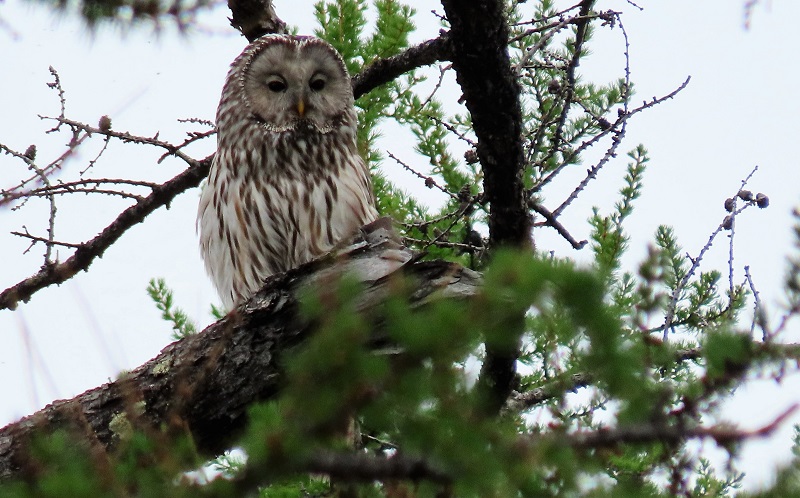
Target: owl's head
[(294, 82)]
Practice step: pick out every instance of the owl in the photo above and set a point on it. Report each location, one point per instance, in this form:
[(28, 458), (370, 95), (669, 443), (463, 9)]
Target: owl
[(287, 182)]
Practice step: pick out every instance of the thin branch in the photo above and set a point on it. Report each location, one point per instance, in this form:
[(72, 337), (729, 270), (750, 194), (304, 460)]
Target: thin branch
[(558, 14), (522, 401), (126, 137), (723, 435), (580, 35), (429, 181), (382, 71), (94, 248), (51, 220), (47, 240), (619, 132), (452, 129), (56, 84), (759, 313), (469, 248), (96, 158), (462, 210), (671, 308), (553, 222), (438, 86), (621, 119), (83, 186)]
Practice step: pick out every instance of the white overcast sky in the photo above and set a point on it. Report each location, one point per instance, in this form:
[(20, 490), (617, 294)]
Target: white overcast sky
[(740, 110)]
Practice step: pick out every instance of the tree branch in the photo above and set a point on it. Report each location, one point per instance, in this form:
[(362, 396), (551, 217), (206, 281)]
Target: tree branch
[(524, 400), (84, 255), (255, 18), (203, 384), (382, 71), (364, 467), (479, 36), (722, 434), (379, 72)]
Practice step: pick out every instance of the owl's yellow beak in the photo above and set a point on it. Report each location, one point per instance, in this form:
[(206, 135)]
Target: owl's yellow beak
[(301, 107)]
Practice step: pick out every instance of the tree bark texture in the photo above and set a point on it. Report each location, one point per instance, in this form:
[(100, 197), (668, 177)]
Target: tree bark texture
[(203, 384), (479, 41)]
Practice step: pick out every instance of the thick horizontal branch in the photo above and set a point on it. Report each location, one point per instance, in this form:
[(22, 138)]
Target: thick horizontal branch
[(203, 384)]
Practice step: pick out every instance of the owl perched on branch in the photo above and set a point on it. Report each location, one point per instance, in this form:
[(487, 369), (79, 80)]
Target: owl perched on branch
[(287, 182)]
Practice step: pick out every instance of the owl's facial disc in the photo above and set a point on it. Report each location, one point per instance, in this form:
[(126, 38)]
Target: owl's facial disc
[(305, 89)]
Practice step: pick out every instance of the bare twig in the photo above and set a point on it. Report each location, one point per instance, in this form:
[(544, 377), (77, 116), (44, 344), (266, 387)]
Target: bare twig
[(618, 128), (577, 47), (726, 224), (430, 182), (452, 129), (127, 137), (94, 248), (723, 435), (558, 387), (759, 313), (552, 221), (442, 71), (92, 162), (49, 242), (51, 220), (442, 243), (56, 84)]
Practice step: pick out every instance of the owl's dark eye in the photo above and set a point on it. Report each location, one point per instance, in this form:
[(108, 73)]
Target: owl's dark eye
[(276, 86), (316, 84)]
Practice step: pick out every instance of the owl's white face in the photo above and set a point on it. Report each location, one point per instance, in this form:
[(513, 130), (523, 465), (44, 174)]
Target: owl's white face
[(289, 86)]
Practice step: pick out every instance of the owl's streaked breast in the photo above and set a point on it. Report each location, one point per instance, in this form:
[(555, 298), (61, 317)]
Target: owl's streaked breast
[(263, 218)]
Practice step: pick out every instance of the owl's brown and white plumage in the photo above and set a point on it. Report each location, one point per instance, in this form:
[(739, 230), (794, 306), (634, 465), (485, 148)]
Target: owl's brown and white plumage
[(287, 183)]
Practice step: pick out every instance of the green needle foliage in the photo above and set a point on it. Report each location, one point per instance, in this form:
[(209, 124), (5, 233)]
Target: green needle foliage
[(162, 296), (623, 367)]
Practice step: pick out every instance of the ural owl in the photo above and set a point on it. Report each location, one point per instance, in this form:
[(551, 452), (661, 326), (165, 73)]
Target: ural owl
[(287, 182)]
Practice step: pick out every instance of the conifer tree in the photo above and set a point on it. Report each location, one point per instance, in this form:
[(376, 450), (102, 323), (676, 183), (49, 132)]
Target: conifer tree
[(547, 379)]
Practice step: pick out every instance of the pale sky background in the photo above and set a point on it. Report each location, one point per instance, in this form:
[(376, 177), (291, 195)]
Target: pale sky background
[(740, 110)]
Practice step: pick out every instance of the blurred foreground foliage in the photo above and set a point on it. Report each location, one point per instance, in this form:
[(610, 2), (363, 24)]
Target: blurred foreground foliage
[(623, 435)]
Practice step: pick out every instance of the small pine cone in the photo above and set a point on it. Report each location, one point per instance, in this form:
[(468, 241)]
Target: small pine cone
[(30, 152), (727, 223), (730, 204), (104, 124)]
